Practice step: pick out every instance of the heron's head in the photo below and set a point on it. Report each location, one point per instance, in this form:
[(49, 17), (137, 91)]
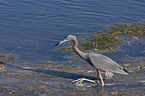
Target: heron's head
[(67, 38)]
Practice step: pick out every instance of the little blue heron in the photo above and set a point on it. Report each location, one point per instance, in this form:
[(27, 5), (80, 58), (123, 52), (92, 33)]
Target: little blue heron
[(100, 62)]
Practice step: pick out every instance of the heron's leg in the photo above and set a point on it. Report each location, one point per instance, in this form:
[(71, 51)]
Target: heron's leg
[(97, 75), (101, 78)]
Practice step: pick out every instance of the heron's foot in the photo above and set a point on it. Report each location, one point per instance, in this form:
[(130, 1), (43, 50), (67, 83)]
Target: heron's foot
[(80, 81), (97, 81)]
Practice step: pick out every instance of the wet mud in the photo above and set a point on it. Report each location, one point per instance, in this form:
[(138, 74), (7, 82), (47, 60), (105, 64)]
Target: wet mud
[(55, 79)]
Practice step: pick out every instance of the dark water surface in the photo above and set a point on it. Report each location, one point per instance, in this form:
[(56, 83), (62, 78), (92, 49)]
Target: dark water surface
[(29, 29)]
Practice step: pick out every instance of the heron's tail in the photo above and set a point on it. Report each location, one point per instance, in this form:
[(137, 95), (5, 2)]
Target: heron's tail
[(109, 75)]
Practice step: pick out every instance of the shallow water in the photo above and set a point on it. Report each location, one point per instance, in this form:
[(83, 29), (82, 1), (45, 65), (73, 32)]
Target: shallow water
[(45, 79), (29, 29)]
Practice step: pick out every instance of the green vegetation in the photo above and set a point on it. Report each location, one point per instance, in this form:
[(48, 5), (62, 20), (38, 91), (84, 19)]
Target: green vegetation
[(4, 58), (109, 38)]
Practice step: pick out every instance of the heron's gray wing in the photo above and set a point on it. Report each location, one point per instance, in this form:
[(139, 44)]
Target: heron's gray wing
[(104, 63)]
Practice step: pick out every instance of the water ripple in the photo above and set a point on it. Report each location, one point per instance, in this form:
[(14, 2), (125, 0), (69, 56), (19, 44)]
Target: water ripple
[(51, 20)]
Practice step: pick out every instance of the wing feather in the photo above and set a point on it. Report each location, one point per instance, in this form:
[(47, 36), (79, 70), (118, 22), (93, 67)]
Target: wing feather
[(104, 63)]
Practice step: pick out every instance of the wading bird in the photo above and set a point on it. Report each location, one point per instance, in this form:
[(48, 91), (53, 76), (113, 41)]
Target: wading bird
[(100, 62)]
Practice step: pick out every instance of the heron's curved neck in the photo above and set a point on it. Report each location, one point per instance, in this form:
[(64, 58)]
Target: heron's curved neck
[(75, 47)]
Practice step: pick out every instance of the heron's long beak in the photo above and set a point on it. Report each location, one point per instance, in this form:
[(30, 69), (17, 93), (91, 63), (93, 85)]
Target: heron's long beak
[(61, 42)]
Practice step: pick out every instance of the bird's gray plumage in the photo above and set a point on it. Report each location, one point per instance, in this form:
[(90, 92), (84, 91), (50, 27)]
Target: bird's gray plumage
[(98, 61), (104, 63)]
